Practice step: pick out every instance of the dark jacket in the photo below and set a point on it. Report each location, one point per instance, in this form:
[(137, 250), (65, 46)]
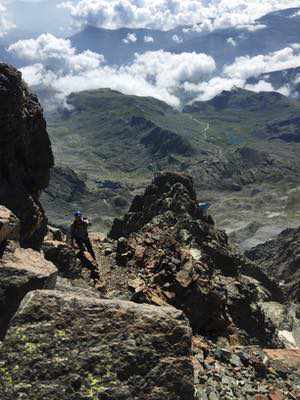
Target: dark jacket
[(79, 229)]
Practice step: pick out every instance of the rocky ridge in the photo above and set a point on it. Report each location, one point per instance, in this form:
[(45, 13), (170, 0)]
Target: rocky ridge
[(197, 317), (176, 257), (68, 342)]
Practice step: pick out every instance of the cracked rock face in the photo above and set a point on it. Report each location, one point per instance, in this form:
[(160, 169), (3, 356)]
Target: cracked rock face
[(176, 257), (25, 155), (73, 346)]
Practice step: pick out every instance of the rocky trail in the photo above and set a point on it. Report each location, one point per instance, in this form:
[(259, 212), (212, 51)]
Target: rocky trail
[(173, 312)]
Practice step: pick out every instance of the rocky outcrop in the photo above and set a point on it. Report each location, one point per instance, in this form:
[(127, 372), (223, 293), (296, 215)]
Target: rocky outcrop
[(174, 257), (71, 264), (280, 260), (64, 257), (245, 373), (25, 155), (78, 347), (9, 225), (21, 270), (161, 196)]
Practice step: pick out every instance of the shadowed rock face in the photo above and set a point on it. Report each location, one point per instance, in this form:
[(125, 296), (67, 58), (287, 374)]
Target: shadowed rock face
[(25, 155), (73, 346), (280, 260), (176, 257)]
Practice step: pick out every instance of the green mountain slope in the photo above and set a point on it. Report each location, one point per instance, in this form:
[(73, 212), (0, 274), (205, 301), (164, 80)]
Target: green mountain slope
[(235, 146), (108, 133), (240, 115)]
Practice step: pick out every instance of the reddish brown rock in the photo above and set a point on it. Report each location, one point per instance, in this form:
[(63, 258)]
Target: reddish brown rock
[(287, 357), (276, 395), (176, 257)]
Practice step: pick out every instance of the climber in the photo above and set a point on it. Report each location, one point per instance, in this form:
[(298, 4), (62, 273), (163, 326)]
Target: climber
[(203, 209), (79, 234), (202, 213)]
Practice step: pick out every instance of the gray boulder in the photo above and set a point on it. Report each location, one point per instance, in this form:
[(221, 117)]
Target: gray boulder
[(21, 270), (75, 347)]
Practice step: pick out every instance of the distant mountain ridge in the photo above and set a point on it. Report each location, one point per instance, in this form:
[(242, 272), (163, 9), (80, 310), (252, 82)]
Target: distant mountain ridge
[(275, 31)]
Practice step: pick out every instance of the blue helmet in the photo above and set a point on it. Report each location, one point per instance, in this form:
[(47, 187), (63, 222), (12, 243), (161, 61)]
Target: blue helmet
[(204, 206), (77, 214)]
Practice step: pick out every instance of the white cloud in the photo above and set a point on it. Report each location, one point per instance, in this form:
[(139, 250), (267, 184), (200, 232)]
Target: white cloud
[(148, 39), (177, 39), (130, 38), (245, 67), (169, 70), (5, 23), (296, 14), (58, 68), (167, 14), (209, 89), (56, 55), (223, 21), (231, 41), (261, 86)]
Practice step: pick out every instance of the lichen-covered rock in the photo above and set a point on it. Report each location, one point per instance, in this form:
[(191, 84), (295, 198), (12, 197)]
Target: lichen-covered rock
[(74, 347), (21, 270), (9, 225), (25, 155), (175, 256)]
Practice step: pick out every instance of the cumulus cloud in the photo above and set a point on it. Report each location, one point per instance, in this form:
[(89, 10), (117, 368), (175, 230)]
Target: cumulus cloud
[(56, 55), (148, 39), (296, 14), (245, 67), (167, 14), (130, 38), (177, 39), (232, 20), (231, 41), (209, 89), (5, 23), (261, 86), (57, 67), (238, 73), (170, 71)]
